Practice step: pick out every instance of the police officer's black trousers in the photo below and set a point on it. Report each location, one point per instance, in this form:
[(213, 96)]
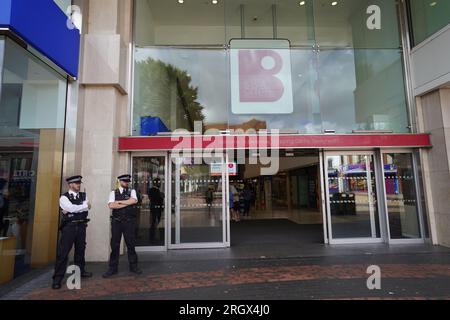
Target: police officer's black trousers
[(127, 229), (72, 234), (155, 218)]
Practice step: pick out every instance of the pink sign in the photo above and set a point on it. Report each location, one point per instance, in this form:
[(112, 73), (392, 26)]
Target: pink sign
[(261, 77), (257, 84)]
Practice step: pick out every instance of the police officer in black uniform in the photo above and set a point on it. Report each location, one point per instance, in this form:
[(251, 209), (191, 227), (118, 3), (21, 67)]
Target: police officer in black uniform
[(75, 208), (123, 203)]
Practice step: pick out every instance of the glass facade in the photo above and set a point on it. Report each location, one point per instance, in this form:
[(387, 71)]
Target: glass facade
[(428, 17), (32, 105), (341, 70)]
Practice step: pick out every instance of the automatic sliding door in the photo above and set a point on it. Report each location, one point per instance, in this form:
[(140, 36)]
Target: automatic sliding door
[(401, 196), (351, 198), (149, 180), (198, 202)]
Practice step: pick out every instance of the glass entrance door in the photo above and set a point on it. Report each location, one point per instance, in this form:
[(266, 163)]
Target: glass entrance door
[(402, 207), (198, 207), (149, 181), (351, 198)]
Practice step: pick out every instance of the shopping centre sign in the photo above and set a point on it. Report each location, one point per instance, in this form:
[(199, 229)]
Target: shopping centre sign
[(261, 79)]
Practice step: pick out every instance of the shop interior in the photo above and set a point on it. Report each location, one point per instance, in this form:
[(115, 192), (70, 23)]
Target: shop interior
[(278, 208)]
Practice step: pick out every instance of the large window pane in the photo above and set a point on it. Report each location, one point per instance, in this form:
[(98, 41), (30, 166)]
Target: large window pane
[(428, 17), (401, 196), (32, 106), (195, 22), (345, 24), (357, 86), (362, 90), (180, 87)]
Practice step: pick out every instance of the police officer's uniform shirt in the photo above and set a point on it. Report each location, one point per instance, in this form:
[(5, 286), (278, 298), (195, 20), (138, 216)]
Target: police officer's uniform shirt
[(68, 206), (112, 195)]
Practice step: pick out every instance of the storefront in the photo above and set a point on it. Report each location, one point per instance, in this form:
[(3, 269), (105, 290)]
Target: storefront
[(33, 91), (309, 104), (366, 195), (313, 75)]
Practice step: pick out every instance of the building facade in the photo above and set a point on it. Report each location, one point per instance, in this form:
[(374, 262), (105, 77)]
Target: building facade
[(330, 113)]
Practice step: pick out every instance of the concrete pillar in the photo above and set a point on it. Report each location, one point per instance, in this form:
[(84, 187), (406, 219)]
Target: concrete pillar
[(434, 118), (105, 103)]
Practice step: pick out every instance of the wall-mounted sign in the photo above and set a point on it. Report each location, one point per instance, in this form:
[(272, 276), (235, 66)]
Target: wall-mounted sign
[(261, 79), (216, 169)]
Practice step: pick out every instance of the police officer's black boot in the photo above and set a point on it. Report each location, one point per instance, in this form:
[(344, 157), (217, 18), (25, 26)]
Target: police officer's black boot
[(109, 273), (56, 285), (135, 270)]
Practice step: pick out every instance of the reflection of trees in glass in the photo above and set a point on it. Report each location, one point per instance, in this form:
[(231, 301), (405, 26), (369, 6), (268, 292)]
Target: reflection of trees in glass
[(165, 91)]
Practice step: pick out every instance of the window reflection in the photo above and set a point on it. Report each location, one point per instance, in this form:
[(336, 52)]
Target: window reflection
[(352, 197), (428, 17), (306, 117), (180, 86), (345, 76), (362, 90), (149, 181), (345, 24), (197, 215), (32, 106), (401, 196)]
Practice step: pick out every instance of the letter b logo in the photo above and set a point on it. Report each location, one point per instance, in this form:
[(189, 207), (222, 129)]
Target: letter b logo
[(257, 76), (261, 80)]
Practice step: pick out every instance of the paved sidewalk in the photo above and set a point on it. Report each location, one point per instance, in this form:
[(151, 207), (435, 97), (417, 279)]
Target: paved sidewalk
[(412, 274)]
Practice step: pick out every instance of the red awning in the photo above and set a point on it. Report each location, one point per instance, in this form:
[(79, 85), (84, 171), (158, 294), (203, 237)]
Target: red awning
[(332, 141)]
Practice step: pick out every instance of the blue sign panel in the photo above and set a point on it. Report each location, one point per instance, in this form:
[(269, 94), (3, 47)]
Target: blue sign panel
[(43, 25), (5, 12)]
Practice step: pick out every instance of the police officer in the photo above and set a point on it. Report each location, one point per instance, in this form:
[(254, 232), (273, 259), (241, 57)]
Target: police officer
[(75, 208), (123, 202)]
